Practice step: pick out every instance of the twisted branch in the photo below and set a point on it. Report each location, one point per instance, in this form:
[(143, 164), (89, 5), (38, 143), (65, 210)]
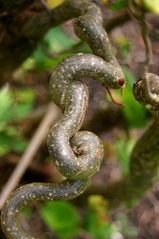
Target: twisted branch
[(77, 155)]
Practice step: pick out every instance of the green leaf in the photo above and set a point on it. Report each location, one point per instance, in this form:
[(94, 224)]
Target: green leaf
[(11, 141), (17, 111), (20, 111), (41, 60), (97, 230), (19, 145), (62, 218), (3, 125), (55, 41), (124, 45), (123, 151), (6, 102), (133, 111), (26, 95), (97, 221), (152, 5), (119, 4), (12, 110), (27, 65)]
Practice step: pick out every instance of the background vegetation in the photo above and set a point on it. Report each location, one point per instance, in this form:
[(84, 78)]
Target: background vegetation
[(24, 104)]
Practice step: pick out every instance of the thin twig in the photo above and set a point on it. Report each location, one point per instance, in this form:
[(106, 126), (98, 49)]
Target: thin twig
[(46, 7), (147, 42), (148, 57), (51, 116), (140, 16)]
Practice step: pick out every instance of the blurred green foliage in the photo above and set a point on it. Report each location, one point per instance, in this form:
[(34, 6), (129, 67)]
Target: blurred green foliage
[(150, 5), (55, 41), (15, 105), (67, 222), (97, 221), (118, 5), (55, 46), (134, 112), (123, 151), (62, 218), (124, 46)]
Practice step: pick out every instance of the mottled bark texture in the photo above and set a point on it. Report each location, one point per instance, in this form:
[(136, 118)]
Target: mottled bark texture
[(76, 154)]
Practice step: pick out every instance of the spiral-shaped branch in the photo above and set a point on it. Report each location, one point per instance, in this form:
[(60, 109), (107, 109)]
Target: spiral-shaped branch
[(77, 155)]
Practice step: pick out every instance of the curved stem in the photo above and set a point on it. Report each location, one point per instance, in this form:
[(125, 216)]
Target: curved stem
[(77, 155), (34, 192)]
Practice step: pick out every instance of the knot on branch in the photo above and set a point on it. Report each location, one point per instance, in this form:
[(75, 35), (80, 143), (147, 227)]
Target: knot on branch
[(148, 94)]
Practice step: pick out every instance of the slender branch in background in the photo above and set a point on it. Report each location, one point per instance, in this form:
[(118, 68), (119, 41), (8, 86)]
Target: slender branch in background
[(51, 116), (44, 4), (133, 10), (147, 42), (139, 14)]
